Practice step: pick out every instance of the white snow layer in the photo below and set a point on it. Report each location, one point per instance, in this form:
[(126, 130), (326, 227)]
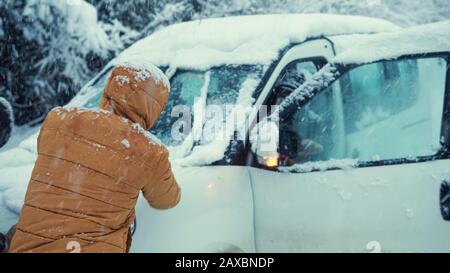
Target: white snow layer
[(322, 78), (122, 80), (144, 70), (343, 164), (242, 40), (415, 40), (213, 151), (126, 143)]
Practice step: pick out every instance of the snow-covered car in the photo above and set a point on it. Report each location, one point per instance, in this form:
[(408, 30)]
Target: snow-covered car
[(362, 147), (363, 160)]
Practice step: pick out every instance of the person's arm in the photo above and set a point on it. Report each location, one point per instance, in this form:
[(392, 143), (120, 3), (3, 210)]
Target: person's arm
[(163, 191)]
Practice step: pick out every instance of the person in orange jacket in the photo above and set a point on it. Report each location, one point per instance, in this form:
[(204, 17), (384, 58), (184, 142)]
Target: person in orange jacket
[(92, 166)]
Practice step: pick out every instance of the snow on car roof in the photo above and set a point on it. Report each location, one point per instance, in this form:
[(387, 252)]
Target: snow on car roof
[(253, 39), (414, 40)]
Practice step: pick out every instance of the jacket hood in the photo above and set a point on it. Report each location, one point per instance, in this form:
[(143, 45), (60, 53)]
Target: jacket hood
[(138, 93)]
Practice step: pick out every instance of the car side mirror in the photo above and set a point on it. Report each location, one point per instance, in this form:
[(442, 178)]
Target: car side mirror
[(264, 140)]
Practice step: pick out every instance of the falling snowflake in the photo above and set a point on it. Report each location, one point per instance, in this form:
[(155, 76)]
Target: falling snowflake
[(126, 143)]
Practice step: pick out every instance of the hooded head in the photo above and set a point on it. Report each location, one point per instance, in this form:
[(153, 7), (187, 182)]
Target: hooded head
[(136, 93)]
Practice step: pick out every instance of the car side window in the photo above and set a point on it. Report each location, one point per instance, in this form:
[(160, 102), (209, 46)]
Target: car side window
[(292, 77), (380, 111)]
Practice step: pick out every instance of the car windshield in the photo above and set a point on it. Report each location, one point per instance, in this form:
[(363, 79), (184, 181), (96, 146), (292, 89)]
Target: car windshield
[(223, 85)]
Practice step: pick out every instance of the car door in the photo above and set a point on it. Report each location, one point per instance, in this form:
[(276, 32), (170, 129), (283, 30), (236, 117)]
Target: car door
[(215, 213), (216, 208), (361, 164)]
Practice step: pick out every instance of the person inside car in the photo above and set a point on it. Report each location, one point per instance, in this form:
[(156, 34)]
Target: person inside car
[(92, 166), (293, 148)]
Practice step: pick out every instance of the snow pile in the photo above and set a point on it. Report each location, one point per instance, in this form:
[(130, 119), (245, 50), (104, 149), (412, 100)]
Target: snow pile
[(180, 154), (343, 164), (206, 43), (16, 165), (245, 97), (144, 70), (415, 40), (80, 109)]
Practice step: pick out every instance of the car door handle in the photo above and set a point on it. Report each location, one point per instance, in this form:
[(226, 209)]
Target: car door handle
[(445, 200)]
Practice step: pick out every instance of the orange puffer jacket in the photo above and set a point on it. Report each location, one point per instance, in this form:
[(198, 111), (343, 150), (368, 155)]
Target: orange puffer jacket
[(92, 165)]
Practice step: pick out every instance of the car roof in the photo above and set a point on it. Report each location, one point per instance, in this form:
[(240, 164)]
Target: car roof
[(429, 38), (255, 39)]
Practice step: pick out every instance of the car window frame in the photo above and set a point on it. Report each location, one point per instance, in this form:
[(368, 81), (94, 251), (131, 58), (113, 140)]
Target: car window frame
[(319, 61), (180, 70), (443, 153), (238, 150)]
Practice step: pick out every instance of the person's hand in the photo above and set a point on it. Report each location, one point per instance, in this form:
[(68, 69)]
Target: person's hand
[(310, 148)]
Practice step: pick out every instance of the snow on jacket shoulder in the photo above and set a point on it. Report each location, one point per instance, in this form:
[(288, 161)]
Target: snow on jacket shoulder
[(91, 167)]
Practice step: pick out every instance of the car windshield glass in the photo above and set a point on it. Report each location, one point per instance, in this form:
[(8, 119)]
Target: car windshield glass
[(223, 87), (97, 89)]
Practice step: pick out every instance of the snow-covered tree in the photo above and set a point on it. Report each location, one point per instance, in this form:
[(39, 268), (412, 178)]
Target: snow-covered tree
[(147, 16), (51, 48), (6, 121), (402, 12)]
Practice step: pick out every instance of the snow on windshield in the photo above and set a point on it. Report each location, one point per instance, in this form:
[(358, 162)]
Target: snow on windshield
[(220, 127), (227, 85), (219, 89), (144, 70), (343, 164)]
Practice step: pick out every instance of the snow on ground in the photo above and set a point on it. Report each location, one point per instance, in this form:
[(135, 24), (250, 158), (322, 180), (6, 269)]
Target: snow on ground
[(19, 134), (16, 164)]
